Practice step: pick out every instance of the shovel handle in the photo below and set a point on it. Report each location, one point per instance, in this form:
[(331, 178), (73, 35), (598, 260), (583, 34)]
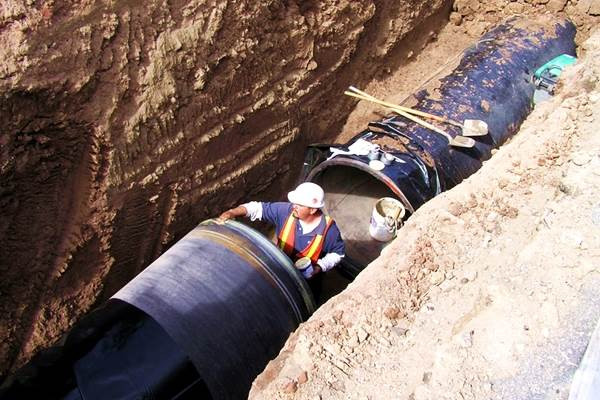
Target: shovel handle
[(400, 112), (409, 110)]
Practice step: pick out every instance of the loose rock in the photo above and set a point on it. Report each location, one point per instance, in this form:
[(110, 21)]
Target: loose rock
[(290, 387), (362, 335), (303, 378), (456, 18)]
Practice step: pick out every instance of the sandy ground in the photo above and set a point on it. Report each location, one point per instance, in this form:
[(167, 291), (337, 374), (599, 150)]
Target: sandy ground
[(491, 289)]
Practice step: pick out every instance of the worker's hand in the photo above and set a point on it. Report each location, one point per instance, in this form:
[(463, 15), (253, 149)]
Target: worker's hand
[(316, 269), (311, 271), (225, 216), (308, 272), (238, 211)]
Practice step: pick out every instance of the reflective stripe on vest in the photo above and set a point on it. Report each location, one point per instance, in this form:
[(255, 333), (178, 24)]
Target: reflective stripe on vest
[(288, 235)]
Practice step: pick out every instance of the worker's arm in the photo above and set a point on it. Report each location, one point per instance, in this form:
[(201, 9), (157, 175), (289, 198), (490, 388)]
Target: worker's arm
[(253, 210), (327, 262), (239, 211), (324, 264), (334, 250)]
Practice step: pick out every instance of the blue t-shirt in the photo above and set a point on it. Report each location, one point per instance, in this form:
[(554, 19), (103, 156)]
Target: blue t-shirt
[(278, 213)]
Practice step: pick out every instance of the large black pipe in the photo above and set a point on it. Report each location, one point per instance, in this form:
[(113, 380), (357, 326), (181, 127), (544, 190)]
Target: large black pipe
[(228, 297), (492, 83), (115, 352), (202, 321)]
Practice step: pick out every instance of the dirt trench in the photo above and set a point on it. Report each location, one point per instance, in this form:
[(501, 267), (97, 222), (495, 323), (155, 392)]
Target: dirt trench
[(126, 123)]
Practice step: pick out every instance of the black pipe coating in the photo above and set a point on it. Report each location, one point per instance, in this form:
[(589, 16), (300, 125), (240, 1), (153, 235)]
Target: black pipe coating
[(228, 297), (201, 322)]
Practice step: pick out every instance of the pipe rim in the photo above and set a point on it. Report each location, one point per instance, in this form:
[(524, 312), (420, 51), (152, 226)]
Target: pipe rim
[(281, 259), (349, 162)]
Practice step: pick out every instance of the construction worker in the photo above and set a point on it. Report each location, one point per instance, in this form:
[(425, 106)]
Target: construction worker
[(302, 229)]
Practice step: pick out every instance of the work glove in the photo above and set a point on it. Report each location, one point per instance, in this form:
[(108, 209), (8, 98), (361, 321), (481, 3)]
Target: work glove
[(308, 272)]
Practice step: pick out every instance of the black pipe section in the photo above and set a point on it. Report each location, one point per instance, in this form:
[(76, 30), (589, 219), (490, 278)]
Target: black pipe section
[(200, 322), (492, 83), (228, 297), (115, 352)]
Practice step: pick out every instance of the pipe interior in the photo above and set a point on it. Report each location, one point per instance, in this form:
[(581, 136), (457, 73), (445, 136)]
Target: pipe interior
[(350, 195)]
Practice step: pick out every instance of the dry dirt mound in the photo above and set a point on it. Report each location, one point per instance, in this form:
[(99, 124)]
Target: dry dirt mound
[(491, 289)]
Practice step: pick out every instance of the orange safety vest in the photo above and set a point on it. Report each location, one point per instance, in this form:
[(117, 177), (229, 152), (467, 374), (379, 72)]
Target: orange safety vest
[(313, 250)]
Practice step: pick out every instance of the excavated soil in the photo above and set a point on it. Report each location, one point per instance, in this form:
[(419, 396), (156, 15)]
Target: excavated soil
[(126, 123)]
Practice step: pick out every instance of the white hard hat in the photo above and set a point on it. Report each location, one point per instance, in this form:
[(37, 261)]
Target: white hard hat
[(308, 194)]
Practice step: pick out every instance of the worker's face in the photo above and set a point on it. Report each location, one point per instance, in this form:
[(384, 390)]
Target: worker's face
[(302, 212)]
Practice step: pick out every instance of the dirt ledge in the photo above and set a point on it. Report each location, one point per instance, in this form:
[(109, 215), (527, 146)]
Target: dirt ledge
[(491, 289)]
